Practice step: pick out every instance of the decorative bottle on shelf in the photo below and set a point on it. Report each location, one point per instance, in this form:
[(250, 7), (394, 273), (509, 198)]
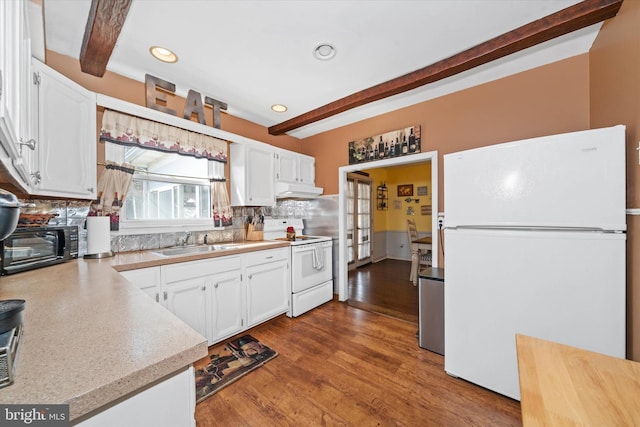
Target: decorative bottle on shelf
[(397, 148), (380, 148), (405, 147), (412, 142), (386, 149)]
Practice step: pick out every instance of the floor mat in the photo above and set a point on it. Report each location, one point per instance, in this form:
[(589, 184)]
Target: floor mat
[(230, 361)]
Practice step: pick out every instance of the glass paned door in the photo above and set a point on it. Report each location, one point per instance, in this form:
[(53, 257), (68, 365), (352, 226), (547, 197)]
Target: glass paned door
[(359, 220)]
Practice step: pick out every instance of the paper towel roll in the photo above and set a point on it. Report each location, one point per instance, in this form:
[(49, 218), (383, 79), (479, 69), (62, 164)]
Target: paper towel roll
[(98, 236)]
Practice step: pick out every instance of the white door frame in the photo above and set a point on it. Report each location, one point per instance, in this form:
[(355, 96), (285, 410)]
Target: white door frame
[(432, 156)]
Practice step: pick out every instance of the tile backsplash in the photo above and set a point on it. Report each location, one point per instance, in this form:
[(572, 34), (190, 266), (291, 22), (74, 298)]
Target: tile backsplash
[(74, 212)]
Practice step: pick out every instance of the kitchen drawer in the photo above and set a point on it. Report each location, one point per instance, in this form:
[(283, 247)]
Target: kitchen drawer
[(269, 255), (304, 301), (206, 267)]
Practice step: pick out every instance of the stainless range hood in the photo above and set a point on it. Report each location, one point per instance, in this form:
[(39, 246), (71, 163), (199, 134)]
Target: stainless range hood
[(286, 190)]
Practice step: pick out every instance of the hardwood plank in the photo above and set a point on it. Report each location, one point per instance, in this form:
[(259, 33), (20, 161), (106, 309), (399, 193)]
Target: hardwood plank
[(339, 365), (565, 21), (105, 21), (384, 287)]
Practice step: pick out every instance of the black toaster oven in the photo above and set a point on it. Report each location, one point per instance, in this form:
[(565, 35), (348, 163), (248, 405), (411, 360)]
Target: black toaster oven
[(28, 248)]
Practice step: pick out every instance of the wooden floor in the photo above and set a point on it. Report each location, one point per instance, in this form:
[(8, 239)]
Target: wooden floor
[(384, 287), (340, 365)]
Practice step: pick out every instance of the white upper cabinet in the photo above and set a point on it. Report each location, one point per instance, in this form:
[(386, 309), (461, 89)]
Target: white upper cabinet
[(252, 172), (15, 123), (307, 170), (295, 168), (64, 164)]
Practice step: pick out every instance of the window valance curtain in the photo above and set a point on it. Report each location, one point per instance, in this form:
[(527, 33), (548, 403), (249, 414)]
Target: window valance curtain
[(124, 129)]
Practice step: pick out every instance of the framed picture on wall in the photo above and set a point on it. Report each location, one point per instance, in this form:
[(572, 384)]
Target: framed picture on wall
[(405, 190), (423, 191)]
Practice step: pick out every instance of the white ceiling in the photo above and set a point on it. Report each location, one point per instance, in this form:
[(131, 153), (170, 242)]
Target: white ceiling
[(253, 54)]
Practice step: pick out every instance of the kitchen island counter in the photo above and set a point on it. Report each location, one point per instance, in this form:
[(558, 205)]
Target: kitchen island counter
[(91, 338)]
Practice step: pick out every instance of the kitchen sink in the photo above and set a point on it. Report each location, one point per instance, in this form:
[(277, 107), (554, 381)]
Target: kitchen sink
[(186, 250)]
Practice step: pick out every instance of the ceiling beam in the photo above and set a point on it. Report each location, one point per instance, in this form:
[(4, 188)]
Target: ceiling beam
[(565, 21), (105, 21)]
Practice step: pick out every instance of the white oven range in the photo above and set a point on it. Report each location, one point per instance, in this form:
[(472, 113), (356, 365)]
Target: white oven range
[(311, 265)]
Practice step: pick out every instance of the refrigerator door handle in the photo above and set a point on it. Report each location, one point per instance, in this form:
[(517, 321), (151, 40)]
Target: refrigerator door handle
[(532, 228)]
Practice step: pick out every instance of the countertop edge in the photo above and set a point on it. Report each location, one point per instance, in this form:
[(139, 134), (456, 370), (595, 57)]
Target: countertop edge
[(95, 401), (125, 261), (89, 295)]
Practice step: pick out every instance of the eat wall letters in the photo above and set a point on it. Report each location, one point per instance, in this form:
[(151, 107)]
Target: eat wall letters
[(192, 106)]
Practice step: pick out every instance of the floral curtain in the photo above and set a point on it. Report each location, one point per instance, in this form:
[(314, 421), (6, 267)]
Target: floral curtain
[(113, 186), (124, 129), (222, 215)]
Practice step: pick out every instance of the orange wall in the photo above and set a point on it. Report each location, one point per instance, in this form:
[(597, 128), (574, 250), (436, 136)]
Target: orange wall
[(543, 101), (615, 99), (120, 87)]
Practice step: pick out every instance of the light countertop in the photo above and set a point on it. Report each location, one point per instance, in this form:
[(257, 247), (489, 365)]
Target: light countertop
[(90, 337), (562, 385)]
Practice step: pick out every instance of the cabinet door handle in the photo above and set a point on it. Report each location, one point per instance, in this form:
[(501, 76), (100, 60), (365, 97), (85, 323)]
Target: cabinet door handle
[(36, 177), (157, 297), (269, 257), (165, 295), (31, 144), (215, 286), (250, 276), (204, 288), (90, 189)]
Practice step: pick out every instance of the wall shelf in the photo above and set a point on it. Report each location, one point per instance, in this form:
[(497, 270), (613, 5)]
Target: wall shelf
[(382, 198)]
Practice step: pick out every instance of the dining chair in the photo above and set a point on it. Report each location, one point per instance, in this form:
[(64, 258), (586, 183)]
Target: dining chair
[(420, 253)]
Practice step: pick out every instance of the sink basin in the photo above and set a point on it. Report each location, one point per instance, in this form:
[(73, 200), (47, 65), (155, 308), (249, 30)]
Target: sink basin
[(186, 250)]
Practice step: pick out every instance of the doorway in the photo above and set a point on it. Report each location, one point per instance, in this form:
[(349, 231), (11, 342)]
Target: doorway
[(432, 156), (359, 220)]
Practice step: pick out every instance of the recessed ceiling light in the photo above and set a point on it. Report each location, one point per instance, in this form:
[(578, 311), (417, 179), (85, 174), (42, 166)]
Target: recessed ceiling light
[(324, 51), (279, 108), (163, 54)]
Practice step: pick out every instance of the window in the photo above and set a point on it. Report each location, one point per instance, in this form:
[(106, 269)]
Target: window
[(167, 189)]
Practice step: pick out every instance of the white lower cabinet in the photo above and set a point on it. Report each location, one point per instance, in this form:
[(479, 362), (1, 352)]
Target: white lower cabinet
[(170, 401), (202, 293), (223, 296), (268, 286), (188, 300), (227, 306), (145, 279)]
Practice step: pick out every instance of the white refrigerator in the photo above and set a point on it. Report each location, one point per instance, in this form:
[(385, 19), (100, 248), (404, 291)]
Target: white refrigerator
[(534, 244)]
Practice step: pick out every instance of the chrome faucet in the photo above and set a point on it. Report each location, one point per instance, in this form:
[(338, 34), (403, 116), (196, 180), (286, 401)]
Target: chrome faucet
[(185, 239)]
